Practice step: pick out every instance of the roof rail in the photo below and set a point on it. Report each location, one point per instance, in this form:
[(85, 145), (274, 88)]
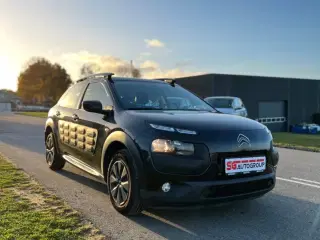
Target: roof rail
[(106, 74), (162, 79), (171, 81)]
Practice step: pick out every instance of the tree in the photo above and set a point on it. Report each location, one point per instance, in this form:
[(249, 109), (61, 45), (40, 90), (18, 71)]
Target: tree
[(42, 80), (60, 81), (124, 70)]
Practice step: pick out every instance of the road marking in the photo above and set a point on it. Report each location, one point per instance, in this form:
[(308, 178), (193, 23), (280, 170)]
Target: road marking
[(304, 180), (174, 225), (302, 183)]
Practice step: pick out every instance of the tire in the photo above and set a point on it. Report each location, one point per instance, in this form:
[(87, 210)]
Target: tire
[(123, 187), (53, 159)]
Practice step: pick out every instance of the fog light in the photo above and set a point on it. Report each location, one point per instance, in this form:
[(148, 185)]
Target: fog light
[(166, 187)]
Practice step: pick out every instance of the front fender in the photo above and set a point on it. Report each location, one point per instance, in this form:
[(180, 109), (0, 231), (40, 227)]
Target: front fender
[(49, 123), (126, 140)]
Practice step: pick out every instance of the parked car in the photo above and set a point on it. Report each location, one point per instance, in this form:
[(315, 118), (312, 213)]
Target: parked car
[(178, 102), (228, 105), (149, 153)]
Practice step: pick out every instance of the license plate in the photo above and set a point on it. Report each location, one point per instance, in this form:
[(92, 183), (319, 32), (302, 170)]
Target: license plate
[(245, 165)]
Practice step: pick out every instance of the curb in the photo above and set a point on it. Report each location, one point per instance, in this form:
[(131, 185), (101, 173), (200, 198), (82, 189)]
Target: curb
[(295, 147)]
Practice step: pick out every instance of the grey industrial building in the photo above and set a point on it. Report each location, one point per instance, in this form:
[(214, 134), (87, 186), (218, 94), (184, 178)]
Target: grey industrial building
[(276, 102)]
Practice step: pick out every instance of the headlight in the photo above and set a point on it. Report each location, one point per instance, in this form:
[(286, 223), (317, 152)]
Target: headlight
[(175, 147)]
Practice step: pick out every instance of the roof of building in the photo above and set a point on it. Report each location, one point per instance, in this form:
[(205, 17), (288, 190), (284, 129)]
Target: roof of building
[(247, 75), (7, 95)]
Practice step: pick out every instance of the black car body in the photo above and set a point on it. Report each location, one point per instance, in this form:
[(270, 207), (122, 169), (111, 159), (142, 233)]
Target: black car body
[(153, 153)]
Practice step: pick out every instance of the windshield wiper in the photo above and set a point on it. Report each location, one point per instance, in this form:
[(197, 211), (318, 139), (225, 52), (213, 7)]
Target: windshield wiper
[(191, 109), (146, 108), (174, 109)]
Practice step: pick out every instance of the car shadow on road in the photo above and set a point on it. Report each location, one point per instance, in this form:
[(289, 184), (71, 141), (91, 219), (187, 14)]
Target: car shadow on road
[(89, 181), (273, 216)]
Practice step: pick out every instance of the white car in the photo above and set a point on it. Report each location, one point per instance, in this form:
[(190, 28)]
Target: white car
[(228, 105)]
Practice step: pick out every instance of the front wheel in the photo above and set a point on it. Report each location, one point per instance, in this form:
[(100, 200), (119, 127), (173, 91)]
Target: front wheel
[(122, 184), (53, 159)]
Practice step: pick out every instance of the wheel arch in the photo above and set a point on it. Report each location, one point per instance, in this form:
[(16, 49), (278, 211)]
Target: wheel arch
[(116, 141), (49, 127), (49, 124)]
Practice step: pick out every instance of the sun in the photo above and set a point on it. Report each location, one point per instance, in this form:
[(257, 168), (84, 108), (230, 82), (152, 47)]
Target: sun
[(8, 73)]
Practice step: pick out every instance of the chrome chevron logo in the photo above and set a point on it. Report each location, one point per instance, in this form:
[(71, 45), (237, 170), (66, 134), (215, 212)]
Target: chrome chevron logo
[(243, 140)]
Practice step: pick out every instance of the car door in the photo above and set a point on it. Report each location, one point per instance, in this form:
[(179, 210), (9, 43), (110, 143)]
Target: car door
[(93, 128), (65, 117)]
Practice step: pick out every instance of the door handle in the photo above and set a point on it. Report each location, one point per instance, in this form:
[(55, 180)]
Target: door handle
[(75, 117), (58, 113)]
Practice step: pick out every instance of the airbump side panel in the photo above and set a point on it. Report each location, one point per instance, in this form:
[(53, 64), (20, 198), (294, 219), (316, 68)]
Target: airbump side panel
[(78, 136)]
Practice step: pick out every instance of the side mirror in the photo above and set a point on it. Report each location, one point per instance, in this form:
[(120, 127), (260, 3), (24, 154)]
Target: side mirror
[(96, 107)]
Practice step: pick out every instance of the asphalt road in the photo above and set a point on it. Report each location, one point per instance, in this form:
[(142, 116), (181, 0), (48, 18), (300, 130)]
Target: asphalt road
[(290, 211)]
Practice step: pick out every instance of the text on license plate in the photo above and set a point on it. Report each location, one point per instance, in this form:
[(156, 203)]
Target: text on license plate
[(245, 165)]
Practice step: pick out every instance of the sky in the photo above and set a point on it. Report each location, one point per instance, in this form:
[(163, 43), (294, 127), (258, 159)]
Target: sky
[(164, 38)]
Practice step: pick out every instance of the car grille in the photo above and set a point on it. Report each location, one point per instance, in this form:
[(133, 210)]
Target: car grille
[(241, 154), (238, 188), (217, 172)]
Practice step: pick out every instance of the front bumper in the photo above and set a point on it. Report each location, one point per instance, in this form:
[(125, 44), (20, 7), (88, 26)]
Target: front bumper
[(210, 192)]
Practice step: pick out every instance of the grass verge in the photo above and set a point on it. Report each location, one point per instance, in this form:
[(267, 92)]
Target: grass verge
[(28, 211), (307, 142), (34, 114)]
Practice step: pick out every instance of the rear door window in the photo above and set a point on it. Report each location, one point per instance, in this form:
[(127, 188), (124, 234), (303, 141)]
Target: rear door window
[(71, 97)]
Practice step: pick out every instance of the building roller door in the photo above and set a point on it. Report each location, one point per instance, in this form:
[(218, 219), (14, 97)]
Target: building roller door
[(273, 115)]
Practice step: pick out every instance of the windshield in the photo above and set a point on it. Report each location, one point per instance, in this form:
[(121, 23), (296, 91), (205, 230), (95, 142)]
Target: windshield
[(153, 95), (220, 102)]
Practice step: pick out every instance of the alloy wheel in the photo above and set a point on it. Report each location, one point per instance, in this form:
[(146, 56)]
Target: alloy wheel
[(49, 149), (119, 182)]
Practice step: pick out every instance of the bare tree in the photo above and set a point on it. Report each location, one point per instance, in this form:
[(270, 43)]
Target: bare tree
[(88, 69), (124, 70), (136, 73), (128, 71)]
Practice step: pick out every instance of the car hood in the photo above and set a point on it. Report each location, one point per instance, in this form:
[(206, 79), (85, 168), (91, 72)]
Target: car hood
[(196, 120)]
